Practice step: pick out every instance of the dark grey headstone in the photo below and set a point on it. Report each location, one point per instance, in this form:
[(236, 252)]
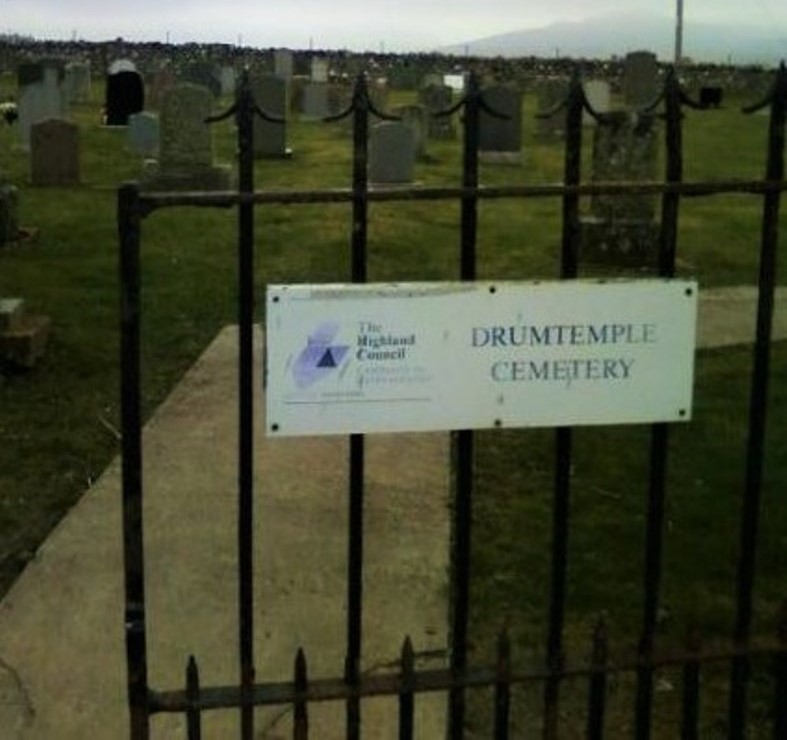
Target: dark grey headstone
[(437, 98), (622, 229), (54, 153), (125, 94), (549, 93), (496, 134), (42, 95), (314, 102), (640, 78), (9, 214), (391, 153), (270, 94)]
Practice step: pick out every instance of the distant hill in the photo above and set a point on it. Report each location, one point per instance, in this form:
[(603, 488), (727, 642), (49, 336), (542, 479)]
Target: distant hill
[(604, 36)]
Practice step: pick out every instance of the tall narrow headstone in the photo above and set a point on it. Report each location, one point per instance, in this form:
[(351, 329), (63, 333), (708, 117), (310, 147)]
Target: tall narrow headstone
[(270, 94), (204, 74), (228, 79), (622, 229), (77, 82), (125, 94), (185, 146), (640, 78), (54, 153), (500, 139), (391, 153), (42, 95), (283, 64)]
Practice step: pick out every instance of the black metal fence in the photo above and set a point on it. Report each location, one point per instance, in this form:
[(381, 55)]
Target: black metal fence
[(353, 686)]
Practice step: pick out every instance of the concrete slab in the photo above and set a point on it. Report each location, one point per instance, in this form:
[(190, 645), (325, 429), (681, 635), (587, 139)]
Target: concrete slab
[(61, 637)]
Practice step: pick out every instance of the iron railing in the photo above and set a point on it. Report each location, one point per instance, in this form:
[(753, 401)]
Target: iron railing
[(353, 686)]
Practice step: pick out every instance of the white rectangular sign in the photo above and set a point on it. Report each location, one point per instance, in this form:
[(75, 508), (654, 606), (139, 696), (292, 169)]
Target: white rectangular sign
[(436, 356)]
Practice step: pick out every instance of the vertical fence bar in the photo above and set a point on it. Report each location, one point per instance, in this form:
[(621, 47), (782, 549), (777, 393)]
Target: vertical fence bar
[(463, 442), (597, 695), (245, 120), (503, 686), (659, 441), (690, 716), (133, 545), (780, 679), (564, 435), (355, 551), (193, 718), (757, 407), (300, 724), (406, 693)]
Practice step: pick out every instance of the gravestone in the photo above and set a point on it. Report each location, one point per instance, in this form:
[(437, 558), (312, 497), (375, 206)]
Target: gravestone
[(391, 153), (228, 79), (77, 82), (164, 79), (622, 229), (270, 94), (125, 95), (500, 140), (457, 82), (319, 70), (314, 101), (550, 91), (283, 64), (598, 96), (54, 153), (42, 95), (711, 96), (204, 74), (23, 337), (121, 65), (9, 214), (142, 134), (640, 78), (415, 117), (435, 98), (185, 144)]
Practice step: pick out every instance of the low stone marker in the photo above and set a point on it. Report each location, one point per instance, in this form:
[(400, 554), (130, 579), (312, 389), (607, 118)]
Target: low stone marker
[(391, 153), (416, 118), (54, 153), (77, 82), (314, 101), (622, 229), (142, 134), (23, 337)]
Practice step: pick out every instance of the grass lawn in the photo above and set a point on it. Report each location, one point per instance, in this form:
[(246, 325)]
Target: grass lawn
[(58, 423)]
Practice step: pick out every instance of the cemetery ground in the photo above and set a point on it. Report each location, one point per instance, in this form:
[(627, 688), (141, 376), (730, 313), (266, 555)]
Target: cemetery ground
[(59, 422)]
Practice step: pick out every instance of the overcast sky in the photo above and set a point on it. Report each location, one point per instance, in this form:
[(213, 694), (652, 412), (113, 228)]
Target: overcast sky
[(399, 25)]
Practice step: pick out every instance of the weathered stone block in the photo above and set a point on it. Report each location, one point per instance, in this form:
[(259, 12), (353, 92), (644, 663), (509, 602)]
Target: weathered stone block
[(26, 344)]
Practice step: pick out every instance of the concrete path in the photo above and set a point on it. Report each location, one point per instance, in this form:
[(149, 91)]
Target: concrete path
[(62, 662)]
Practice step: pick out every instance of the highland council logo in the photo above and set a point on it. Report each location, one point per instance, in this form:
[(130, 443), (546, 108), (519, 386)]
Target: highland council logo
[(319, 358)]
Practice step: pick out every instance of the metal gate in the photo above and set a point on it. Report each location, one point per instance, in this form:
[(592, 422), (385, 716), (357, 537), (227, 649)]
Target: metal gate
[(352, 687)]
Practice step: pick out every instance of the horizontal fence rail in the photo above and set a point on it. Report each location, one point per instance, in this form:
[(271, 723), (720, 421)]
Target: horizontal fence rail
[(402, 678)]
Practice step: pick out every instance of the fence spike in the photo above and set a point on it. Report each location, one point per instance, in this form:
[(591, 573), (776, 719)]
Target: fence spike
[(193, 717), (597, 693), (503, 685), (300, 726), (406, 697)]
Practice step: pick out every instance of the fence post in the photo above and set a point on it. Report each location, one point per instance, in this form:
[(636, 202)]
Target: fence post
[(758, 401), (129, 217)]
